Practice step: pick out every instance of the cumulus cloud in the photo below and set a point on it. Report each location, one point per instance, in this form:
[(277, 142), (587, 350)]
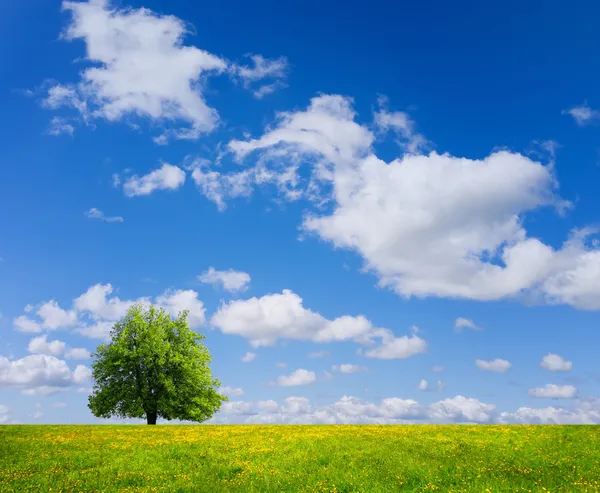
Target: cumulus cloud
[(54, 317), (587, 411), (348, 368), (554, 391), (464, 323), (40, 374), (40, 345), (96, 330), (282, 316), (350, 409), (397, 347), (554, 362), (231, 391), (140, 67), (174, 302), (326, 128), (77, 353), (582, 114), (167, 177), (497, 365), (248, 357), (94, 301), (95, 312), (94, 213), (296, 378), (434, 224), (230, 280), (24, 324), (462, 409), (424, 386)]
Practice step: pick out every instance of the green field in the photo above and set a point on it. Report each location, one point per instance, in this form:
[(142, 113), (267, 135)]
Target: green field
[(457, 458)]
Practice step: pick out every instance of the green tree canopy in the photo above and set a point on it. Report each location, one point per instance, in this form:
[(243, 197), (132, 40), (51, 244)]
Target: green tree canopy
[(154, 366)]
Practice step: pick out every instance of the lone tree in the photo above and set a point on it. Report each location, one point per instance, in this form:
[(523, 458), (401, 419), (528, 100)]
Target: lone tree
[(154, 366)]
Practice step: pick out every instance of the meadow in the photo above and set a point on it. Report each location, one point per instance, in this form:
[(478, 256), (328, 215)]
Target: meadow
[(322, 458)]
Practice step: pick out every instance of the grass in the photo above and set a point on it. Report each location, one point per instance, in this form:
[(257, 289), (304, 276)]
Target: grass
[(171, 458)]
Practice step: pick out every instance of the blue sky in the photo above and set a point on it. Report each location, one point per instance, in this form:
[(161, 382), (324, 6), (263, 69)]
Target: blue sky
[(330, 188)]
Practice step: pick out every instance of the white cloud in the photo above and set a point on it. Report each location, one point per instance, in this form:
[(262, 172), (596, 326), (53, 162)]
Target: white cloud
[(586, 412), (95, 312), (230, 280), (61, 95), (398, 347), (59, 404), (348, 368), (271, 69), (94, 301), (52, 317), (219, 187), (167, 177), (77, 353), (248, 357), (554, 362), (81, 374), (38, 373), (99, 330), (94, 213), (40, 345), (437, 368), (140, 67), (461, 409), (231, 391), (554, 391), (281, 316), (349, 409), (25, 324), (296, 378), (583, 114), (325, 129), (403, 126), (462, 323), (43, 390), (424, 386), (431, 225), (175, 302), (60, 126), (497, 365)]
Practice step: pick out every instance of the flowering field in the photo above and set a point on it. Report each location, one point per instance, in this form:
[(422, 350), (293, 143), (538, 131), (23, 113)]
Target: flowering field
[(339, 458)]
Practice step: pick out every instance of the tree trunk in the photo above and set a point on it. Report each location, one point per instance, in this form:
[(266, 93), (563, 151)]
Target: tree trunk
[(151, 417)]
